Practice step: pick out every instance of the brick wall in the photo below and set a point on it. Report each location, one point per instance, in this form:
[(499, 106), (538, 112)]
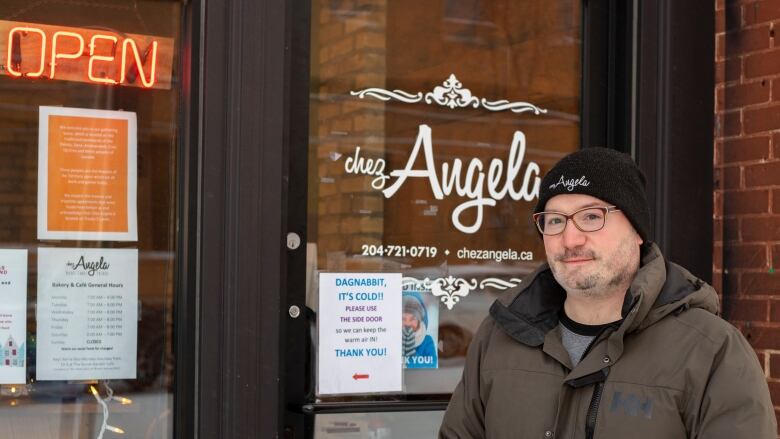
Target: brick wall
[(747, 174)]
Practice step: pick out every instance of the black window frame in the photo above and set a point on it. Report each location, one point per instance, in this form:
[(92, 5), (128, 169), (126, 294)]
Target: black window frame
[(242, 371)]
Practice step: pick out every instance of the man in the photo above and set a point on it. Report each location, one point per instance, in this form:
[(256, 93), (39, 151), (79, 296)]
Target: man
[(608, 339)]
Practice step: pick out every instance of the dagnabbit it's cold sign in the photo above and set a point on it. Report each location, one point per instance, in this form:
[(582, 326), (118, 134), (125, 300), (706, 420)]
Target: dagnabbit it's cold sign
[(359, 329)]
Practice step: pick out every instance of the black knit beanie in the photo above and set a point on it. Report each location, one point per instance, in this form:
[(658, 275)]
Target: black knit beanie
[(603, 173)]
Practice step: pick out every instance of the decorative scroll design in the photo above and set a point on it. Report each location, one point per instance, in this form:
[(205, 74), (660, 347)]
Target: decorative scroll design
[(515, 107), (450, 94), (386, 95), (450, 289)]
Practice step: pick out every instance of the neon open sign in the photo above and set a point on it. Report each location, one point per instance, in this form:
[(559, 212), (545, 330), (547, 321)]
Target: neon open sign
[(98, 56)]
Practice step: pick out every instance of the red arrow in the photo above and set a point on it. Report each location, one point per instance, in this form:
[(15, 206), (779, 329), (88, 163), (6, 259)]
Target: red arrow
[(358, 376)]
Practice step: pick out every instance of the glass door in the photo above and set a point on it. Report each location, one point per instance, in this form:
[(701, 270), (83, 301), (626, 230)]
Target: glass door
[(89, 123), (431, 125)]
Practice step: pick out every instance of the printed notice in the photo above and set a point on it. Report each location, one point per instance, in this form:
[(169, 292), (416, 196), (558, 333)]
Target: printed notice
[(87, 313), (87, 174), (13, 316), (359, 333)]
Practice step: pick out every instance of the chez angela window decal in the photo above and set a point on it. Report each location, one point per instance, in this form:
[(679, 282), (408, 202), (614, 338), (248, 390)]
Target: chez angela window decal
[(498, 181), (483, 185), (91, 55)]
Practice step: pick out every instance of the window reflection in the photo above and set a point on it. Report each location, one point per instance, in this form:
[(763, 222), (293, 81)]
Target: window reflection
[(430, 124), (141, 407)]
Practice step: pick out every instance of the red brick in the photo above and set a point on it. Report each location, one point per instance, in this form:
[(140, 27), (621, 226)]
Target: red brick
[(730, 229), (733, 16), (717, 257), (717, 203), (740, 95), (761, 356), (762, 338), (774, 313), (735, 68), (761, 12), (745, 149), (763, 174), (744, 256), (744, 201), (776, 147), (762, 119), (760, 283), (720, 99), (774, 365), (776, 89), (763, 229), (762, 64), (776, 201), (729, 70), (720, 46), (746, 309), (732, 124), (749, 40), (775, 263), (717, 230), (732, 177)]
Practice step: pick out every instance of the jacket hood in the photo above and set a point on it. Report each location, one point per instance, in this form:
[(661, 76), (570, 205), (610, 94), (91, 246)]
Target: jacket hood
[(528, 312)]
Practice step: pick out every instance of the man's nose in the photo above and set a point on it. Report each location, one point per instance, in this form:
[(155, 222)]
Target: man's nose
[(572, 236)]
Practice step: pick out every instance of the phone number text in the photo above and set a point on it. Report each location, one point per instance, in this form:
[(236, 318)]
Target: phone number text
[(400, 251)]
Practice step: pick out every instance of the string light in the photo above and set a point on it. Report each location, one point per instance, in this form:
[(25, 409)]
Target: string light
[(104, 405)]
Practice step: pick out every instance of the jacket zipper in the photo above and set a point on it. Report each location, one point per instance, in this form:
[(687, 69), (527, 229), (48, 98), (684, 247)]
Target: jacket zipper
[(593, 410)]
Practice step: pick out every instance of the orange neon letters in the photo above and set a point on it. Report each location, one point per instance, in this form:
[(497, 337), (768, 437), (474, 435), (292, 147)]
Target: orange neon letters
[(102, 49), (139, 64), (93, 57), (55, 55), (9, 60)]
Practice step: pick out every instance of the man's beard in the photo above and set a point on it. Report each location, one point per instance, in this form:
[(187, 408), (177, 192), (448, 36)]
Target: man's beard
[(607, 272)]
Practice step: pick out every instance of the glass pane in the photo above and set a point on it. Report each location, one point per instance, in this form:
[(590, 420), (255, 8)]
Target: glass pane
[(93, 204), (431, 125)]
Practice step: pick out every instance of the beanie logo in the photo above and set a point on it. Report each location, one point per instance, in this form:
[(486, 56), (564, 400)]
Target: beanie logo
[(571, 183)]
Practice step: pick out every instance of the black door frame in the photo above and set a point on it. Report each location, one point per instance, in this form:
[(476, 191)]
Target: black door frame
[(241, 355)]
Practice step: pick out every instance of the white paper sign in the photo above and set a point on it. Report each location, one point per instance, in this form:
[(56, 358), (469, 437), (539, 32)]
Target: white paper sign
[(13, 316), (359, 324), (87, 313), (87, 179)]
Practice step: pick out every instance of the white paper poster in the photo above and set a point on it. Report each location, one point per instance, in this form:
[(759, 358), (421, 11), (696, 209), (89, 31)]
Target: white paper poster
[(87, 178), (13, 316), (359, 328), (87, 313)]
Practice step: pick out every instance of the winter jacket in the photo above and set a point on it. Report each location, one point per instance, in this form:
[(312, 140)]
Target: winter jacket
[(671, 369)]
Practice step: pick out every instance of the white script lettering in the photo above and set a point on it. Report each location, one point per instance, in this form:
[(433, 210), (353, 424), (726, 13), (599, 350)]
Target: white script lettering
[(471, 186)]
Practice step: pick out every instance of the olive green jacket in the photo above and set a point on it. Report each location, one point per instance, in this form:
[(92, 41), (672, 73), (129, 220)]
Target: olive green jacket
[(671, 369)]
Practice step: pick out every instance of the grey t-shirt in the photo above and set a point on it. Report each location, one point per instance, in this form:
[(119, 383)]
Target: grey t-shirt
[(575, 344), (576, 337)]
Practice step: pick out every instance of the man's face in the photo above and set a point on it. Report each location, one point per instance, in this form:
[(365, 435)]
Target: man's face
[(591, 263)]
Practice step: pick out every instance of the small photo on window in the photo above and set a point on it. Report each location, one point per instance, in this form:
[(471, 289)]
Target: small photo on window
[(420, 330)]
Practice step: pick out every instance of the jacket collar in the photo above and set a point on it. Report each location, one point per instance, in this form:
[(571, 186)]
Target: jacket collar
[(528, 312)]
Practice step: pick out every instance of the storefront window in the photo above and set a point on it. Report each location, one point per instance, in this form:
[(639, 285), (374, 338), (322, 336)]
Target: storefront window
[(89, 108), (431, 125)]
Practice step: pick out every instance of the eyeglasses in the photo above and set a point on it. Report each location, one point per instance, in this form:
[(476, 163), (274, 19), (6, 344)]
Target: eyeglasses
[(589, 219)]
